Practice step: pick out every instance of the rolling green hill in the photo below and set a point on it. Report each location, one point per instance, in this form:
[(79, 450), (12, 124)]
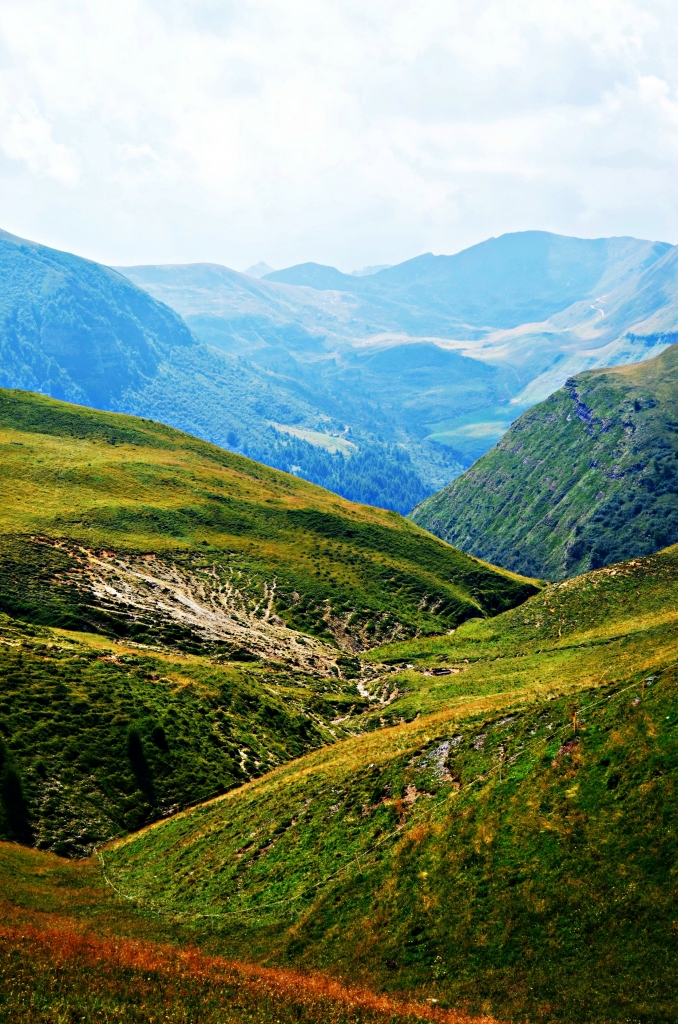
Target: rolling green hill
[(271, 547), (586, 478), (491, 850), (177, 619), (459, 792)]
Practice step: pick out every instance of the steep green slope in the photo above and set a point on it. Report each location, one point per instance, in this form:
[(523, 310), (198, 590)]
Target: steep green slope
[(495, 853), (239, 597), (586, 478)]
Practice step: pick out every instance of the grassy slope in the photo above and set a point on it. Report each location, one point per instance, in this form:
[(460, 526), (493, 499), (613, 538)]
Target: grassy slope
[(70, 951), (99, 738), (105, 737), (104, 480), (485, 853), (608, 492)]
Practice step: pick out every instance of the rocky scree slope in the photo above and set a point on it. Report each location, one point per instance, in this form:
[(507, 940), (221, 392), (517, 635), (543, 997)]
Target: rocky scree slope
[(586, 478)]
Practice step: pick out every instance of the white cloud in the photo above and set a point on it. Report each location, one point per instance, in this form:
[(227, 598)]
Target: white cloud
[(27, 137), (285, 130)]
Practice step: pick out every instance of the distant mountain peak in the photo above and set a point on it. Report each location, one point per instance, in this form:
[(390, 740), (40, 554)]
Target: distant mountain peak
[(259, 269), (368, 271)]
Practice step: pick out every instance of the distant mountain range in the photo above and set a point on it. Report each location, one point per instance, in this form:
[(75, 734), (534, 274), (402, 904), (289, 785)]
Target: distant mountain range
[(383, 387), (587, 478), (501, 283), (530, 309)]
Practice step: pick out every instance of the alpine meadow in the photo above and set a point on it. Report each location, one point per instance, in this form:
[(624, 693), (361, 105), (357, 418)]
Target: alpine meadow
[(338, 594)]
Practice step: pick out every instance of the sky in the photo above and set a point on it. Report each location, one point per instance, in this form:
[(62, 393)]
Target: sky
[(339, 131)]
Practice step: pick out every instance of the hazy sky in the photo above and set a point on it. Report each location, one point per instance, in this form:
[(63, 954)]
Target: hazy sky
[(342, 131)]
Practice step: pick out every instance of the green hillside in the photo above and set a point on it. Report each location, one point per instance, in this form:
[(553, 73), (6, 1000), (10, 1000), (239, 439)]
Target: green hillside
[(585, 479), (177, 619), (71, 950), (490, 851), (96, 739), (442, 787)]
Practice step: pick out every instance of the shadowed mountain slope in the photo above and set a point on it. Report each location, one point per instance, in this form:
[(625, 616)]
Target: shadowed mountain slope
[(78, 330), (584, 479)]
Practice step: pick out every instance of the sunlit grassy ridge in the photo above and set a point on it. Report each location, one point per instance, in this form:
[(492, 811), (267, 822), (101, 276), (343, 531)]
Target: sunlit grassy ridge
[(110, 481), (493, 852), (582, 631)]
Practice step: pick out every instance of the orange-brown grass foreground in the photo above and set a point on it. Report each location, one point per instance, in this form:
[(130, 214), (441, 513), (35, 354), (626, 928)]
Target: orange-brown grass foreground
[(54, 969)]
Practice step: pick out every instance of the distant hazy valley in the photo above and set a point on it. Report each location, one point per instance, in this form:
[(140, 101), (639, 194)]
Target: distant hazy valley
[(496, 328)]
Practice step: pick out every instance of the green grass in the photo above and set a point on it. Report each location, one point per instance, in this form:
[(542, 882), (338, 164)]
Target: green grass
[(69, 952), (482, 852), (105, 737), (587, 478), (108, 481), (585, 630), (116, 706)]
